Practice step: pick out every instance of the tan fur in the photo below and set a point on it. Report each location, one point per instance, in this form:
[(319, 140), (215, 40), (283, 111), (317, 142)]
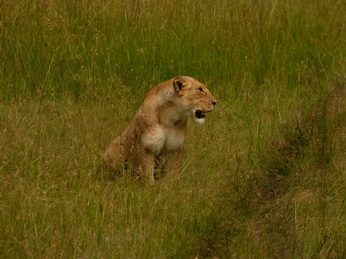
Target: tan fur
[(156, 134)]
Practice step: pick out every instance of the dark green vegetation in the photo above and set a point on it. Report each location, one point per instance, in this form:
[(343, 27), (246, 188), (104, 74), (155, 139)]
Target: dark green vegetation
[(263, 178)]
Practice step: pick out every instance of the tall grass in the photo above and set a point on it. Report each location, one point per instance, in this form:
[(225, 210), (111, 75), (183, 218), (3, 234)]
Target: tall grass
[(264, 177), (81, 46)]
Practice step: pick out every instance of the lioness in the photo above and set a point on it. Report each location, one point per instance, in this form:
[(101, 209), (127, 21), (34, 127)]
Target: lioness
[(156, 134)]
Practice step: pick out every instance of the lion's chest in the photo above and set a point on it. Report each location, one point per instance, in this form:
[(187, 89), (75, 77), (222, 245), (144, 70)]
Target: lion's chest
[(163, 139)]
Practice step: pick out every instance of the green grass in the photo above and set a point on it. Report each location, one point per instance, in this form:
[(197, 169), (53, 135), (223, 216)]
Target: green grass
[(263, 178)]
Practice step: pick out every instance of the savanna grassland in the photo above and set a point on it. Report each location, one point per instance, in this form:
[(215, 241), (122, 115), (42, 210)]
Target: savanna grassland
[(264, 177)]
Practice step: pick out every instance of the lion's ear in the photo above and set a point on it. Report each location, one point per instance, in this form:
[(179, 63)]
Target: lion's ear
[(179, 83)]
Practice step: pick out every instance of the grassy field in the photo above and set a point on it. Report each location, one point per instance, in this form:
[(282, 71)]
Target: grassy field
[(265, 177)]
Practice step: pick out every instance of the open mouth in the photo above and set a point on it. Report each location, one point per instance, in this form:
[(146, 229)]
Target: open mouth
[(200, 114)]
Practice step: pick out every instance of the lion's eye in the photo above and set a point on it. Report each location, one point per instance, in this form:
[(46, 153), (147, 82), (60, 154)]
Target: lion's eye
[(201, 89)]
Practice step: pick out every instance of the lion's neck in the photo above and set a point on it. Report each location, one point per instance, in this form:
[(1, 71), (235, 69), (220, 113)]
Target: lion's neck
[(167, 110), (169, 116), (163, 106)]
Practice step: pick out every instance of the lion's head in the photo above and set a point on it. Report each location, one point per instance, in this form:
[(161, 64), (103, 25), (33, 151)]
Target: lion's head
[(194, 97)]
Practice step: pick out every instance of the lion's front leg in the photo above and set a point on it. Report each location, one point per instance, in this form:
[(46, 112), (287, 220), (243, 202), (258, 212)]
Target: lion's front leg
[(173, 161), (146, 162), (113, 157)]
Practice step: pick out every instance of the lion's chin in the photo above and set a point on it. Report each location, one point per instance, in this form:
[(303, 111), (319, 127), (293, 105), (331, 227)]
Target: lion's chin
[(200, 120)]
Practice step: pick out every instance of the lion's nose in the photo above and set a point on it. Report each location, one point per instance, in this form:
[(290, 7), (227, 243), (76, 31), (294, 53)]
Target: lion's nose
[(213, 103)]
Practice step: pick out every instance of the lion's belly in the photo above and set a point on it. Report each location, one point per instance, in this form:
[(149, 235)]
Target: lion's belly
[(160, 140)]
